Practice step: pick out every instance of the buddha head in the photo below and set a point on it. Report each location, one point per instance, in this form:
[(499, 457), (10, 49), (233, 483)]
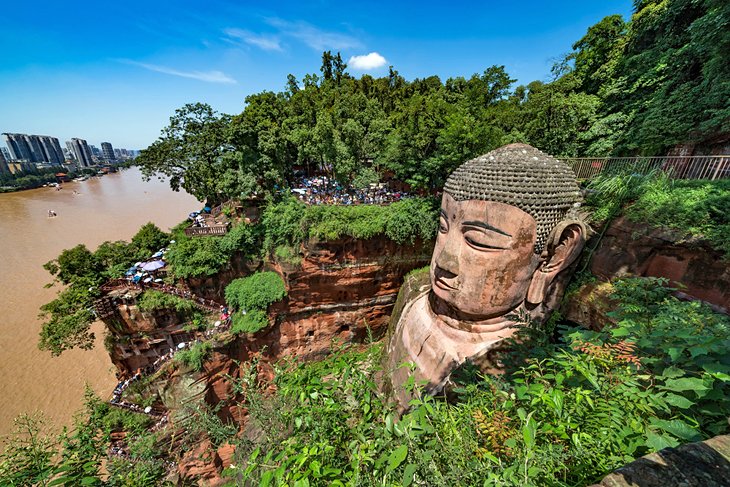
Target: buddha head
[(506, 231)]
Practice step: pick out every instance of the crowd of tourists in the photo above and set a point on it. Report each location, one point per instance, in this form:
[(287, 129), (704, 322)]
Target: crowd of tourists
[(322, 190)]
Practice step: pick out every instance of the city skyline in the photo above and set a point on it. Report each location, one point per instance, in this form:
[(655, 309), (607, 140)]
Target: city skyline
[(76, 75), (38, 148)]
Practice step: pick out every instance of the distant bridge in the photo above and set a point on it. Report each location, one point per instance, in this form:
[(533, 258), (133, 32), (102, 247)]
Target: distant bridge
[(677, 167)]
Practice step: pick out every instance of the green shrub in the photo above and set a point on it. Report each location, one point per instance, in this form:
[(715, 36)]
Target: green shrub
[(195, 356), (156, 300), (288, 254), (251, 322), (331, 222), (412, 218), (283, 223), (115, 419), (196, 256), (290, 222), (256, 291), (609, 192), (204, 420), (568, 415), (124, 473), (241, 238), (695, 208)]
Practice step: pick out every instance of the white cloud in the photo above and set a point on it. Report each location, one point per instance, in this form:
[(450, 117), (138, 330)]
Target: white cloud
[(316, 38), (262, 41), (367, 62), (207, 76)]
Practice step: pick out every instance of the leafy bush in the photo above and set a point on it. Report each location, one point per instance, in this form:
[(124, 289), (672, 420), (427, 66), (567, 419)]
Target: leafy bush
[(156, 300), (568, 415), (196, 256), (256, 291), (283, 223), (289, 222), (242, 238), (412, 218), (116, 258), (609, 192), (251, 322), (696, 208), (204, 420), (115, 419), (683, 347), (125, 473), (288, 254), (195, 356), (693, 207), (205, 256)]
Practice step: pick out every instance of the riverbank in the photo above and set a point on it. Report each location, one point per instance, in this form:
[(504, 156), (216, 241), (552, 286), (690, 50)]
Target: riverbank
[(109, 208)]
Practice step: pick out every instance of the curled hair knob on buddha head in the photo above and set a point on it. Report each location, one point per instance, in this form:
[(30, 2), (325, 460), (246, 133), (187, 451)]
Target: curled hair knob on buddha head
[(522, 176)]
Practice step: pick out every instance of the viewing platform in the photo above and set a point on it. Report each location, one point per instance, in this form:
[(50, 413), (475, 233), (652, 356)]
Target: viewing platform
[(214, 222)]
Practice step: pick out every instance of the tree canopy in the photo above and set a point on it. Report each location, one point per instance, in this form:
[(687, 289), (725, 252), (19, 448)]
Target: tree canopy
[(627, 88)]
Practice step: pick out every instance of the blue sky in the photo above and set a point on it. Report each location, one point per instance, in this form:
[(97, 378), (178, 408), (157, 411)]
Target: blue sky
[(116, 71)]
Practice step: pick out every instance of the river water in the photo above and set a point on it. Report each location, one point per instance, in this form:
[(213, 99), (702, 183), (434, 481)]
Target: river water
[(109, 208)]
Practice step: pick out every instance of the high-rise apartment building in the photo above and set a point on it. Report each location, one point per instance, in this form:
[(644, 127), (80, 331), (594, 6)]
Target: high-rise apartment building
[(34, 148), (81, 151), (70, 150), (19, 148), (108, 151), (4, 169), (51, 149)]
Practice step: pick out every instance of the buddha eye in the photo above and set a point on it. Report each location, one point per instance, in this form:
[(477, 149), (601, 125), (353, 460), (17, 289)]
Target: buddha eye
[(443, 225), (481, 240)]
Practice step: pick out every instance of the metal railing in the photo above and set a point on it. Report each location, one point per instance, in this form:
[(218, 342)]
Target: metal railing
[(212, 230), (677, 167)]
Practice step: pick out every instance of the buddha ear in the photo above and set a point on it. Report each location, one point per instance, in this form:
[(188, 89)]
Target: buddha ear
[(562, 249)]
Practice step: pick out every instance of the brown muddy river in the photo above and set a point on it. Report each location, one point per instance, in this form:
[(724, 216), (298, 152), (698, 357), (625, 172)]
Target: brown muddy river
[(109, 208)]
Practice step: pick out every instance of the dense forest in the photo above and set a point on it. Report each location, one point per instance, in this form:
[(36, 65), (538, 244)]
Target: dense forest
[(627, 88)]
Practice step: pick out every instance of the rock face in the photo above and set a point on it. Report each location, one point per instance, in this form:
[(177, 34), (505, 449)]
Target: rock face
[(343, 290), (703, 464), (589, 305), (632, 248)]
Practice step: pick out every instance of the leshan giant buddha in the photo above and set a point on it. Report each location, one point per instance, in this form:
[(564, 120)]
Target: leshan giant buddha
[(508, 229)]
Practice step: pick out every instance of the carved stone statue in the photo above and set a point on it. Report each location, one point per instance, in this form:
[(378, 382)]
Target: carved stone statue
[(507, 231)]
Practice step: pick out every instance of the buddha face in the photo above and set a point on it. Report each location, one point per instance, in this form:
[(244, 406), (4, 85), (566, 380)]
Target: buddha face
[(483, 260)]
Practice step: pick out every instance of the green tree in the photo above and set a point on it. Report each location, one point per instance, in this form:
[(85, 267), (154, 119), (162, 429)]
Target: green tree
[(68, 318), (597, 53), (149, 239), (263, 155), (115, 258), (73, 264), (190, 152)]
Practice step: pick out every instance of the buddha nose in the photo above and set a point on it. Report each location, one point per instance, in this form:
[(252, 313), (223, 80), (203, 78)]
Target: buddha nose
[(448, 258)]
